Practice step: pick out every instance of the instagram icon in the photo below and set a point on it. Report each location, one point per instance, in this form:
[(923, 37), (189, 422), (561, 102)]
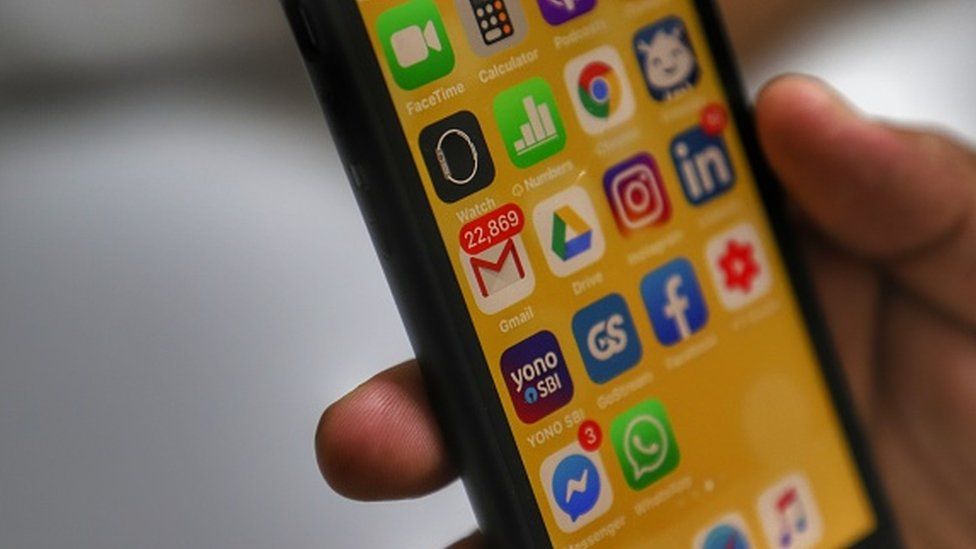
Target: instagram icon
[(636, 194)]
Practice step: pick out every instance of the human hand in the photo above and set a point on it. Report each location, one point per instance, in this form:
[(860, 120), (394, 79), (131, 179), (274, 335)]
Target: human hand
[(887, 219)]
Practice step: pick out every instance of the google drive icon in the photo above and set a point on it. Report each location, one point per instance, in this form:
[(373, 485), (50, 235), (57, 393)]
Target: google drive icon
[(569, 231), (571, 236)]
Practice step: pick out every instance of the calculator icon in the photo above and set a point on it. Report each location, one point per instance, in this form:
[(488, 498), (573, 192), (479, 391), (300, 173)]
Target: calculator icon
[(492, 25)]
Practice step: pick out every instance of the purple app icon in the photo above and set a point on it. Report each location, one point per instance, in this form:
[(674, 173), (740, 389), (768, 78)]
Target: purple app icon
[(537, 377), (557, 12)]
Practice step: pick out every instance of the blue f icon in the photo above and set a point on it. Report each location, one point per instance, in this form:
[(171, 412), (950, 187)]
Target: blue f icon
[(674, 302)]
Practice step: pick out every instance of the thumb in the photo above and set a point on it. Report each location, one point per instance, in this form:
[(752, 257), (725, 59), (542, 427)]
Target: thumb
[(877, 190), (905, 199)]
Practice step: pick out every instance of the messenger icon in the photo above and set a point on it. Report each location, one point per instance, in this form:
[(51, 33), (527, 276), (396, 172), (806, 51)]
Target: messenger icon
[(577, 486)]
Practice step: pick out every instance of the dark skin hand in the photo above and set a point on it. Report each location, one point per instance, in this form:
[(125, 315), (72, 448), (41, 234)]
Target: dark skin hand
[(887, 218)]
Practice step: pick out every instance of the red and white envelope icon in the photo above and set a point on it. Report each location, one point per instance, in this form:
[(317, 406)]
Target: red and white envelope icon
[(500, 276)]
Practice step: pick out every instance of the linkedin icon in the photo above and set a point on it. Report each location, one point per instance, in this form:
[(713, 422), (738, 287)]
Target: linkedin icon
[(457, 157)]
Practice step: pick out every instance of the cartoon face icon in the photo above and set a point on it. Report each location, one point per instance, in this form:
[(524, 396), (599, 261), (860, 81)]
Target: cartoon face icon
[(666, 54)]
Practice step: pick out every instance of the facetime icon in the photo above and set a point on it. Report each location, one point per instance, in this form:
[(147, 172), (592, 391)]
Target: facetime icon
[(413, 45)]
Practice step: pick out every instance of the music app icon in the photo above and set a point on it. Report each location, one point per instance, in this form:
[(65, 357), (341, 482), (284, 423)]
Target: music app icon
[(789, 514)]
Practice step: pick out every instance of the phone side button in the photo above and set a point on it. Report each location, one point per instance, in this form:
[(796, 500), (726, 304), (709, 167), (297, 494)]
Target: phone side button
[(357, 179), (371, 211), (301, 26)]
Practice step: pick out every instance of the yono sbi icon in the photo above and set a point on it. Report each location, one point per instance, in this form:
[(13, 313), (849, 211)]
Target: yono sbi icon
[(537, 377), (415, 43)]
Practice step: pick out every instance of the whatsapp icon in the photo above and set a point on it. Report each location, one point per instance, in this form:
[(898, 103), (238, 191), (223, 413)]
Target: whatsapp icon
[(645, 444)]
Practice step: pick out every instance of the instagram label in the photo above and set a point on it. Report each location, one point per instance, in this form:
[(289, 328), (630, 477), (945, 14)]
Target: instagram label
[(636, 194)]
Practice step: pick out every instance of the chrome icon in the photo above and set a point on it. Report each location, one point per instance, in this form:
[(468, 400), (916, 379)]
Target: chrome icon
[(597, 89), (602, 96)]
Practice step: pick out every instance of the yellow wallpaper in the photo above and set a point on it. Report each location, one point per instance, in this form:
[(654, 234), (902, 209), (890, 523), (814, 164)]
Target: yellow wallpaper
[(746, 403)]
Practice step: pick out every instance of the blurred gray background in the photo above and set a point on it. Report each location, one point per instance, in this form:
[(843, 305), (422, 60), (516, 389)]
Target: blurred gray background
[(185, 281)]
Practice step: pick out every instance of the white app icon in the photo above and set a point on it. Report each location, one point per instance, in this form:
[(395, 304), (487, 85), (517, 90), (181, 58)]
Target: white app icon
[(789, 514), (577, 487), (738, 266), (569, 231), (412, 45), (601, 93), (500, 276)]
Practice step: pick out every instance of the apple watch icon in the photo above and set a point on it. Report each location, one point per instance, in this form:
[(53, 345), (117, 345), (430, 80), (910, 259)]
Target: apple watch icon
[(457, 157)]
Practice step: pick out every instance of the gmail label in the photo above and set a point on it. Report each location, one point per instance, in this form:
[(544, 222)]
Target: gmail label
[(501, 275)]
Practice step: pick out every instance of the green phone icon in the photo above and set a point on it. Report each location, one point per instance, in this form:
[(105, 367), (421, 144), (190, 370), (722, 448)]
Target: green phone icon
[(529, 121), (415, 43), (645, 445)]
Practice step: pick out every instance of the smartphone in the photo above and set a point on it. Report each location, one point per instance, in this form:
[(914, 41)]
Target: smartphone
[(593, 265)]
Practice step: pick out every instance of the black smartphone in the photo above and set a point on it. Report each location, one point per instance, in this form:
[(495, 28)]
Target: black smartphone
[(592, 262)]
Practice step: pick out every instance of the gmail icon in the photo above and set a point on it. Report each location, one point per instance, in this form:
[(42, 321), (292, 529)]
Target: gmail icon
[(500, 276)]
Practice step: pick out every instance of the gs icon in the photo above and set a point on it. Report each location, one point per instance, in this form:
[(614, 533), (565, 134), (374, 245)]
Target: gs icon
[(607, 338)]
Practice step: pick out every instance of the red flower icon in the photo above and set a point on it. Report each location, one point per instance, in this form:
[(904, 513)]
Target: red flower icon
[(739, 265)]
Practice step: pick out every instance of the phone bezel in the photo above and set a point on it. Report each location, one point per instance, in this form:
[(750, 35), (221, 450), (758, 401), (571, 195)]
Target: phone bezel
[(349, 82)]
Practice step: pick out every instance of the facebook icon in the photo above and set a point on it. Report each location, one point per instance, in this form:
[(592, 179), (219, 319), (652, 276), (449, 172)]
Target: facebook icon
[(703, 165), (674, 302)]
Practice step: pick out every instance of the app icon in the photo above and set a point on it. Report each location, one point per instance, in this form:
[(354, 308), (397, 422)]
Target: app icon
[(498, 268), (738, 266), (529, 121), (569, 231), (601, 94), (492, 25), (607, 338), (674, 302), (635, 190), (789, 514), (668, 60), (703, 164), (557, 12), (457, 156), (645, 444), (537, 377), (415, 43), (577, 487), (730, 532)]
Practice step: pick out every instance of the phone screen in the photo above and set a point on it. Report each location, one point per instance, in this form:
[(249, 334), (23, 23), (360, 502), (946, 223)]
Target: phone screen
[(609, 238)]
